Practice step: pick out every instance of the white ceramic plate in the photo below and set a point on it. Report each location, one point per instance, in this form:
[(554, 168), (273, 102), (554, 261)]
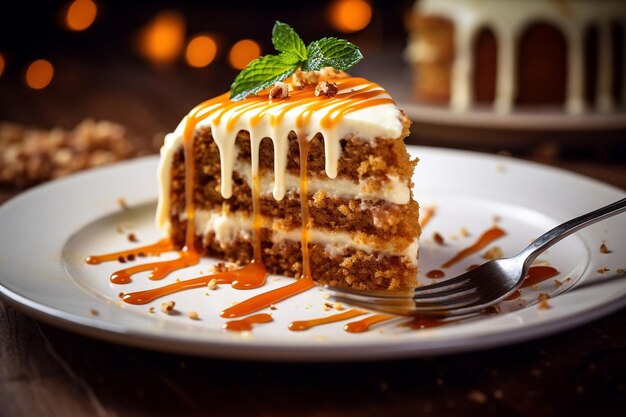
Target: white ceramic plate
[(48, 231)]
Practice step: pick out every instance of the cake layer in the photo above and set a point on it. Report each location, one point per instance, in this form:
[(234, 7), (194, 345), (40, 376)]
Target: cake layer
[(349, 266)]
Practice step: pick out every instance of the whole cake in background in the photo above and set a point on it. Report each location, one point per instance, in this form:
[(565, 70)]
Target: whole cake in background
[(233, 172), (510, 53)]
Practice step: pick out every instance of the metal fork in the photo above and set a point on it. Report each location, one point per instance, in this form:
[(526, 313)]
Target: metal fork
[(473, 291)]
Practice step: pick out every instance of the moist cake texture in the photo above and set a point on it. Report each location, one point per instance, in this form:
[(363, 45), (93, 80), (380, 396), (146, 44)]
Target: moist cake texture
[(360, 219)]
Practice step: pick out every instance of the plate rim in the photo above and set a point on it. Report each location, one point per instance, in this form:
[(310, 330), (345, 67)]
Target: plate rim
[(106, 331)]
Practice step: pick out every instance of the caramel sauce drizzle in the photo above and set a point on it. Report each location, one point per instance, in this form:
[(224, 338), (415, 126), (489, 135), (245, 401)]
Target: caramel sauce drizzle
[(248, 277), (300, 325), (537, 274), (248, 322), (365, 324), (268, 298), (159, 269), (424, 322), (486, 238), (435, 274), (429, 212), (157, 248)]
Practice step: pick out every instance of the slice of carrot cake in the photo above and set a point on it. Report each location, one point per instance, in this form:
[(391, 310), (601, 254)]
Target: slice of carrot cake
[(299, 167)]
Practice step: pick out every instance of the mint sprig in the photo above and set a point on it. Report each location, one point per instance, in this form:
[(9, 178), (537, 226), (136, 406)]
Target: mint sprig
[(293, 55)]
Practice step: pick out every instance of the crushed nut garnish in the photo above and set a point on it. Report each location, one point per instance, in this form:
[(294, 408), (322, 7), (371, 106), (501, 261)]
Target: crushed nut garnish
[(212, 285), (193, 315), (602, 270), (620, 270), (279, 91), (120, 294), (496, 219), (464, 232), (557, 283), (301, 79), (604, 249), (493, 253), (477, 397), (325, 88), (168, 307), (151, 310), (338, 306), (543, 301), (273, 307), (132, 238), (94, 312), (438, 239)]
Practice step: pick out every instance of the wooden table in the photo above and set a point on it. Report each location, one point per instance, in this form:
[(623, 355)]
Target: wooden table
[(45, 371)]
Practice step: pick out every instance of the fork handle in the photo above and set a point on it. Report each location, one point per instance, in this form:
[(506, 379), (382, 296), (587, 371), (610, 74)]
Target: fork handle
[(551, 237)]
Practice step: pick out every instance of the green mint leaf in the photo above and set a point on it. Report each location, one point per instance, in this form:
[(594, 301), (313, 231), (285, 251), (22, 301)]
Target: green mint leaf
[(285, 39), (289, 58), (260, 74), (331, 52)]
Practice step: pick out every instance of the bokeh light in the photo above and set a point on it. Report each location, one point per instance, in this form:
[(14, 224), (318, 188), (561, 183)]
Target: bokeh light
[(243, 52), (39, 74), (161, 40), (81, 14), (1, 64), (349, 15), (201, 51)]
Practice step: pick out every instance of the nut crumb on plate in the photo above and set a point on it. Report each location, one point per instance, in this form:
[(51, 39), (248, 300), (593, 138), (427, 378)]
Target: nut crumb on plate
[(168, 306)]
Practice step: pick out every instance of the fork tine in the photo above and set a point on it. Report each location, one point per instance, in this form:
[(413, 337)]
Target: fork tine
[(443, 285)]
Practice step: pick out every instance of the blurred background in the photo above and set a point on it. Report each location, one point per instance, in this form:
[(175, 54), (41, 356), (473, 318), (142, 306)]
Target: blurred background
[(143, 64)]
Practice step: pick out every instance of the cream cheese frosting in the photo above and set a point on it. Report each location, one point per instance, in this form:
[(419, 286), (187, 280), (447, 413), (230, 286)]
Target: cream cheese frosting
[(362, 108)]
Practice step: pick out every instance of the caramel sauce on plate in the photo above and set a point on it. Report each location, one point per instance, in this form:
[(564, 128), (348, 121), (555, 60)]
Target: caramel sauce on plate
[(248, 322), (435, 273), (485, 239), (307, 324), (365, 324)]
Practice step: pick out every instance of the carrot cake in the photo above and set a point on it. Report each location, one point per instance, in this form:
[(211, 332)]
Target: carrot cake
[(308, 176), (509, 53)]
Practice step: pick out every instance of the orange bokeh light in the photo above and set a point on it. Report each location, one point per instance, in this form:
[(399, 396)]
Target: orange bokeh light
[(161, 40), (39, 74), (1, 64), (81, 14), (201, 51), (349, 15), (243, 52)]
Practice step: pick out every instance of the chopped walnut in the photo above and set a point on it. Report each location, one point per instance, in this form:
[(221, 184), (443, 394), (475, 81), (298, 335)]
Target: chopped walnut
[(325, 88), (301, 79), (280, 91), (493, 253), (438, 239), (168, 306), (212, 285), (604, 249), (602, 270), (193, 315)]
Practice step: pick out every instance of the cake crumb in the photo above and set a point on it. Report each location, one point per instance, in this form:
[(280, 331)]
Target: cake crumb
[(602, 270), (557, 283), (212, 285), (121, 201), (279, 91), (273, 307), (493, 253), (464, 232), (604, 248), (168, 307), (120, 294), (151, 310), (132, 237), (325, 88), (477, 397), (496, 219), (338, 306), (535, 287), (438, 239), (193, 315), (94, 312), (620, 270), (543, 301)]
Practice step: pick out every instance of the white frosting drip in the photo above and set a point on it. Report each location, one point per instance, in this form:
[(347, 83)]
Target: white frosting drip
[(377, 121), (228, 226), (508, 20)]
